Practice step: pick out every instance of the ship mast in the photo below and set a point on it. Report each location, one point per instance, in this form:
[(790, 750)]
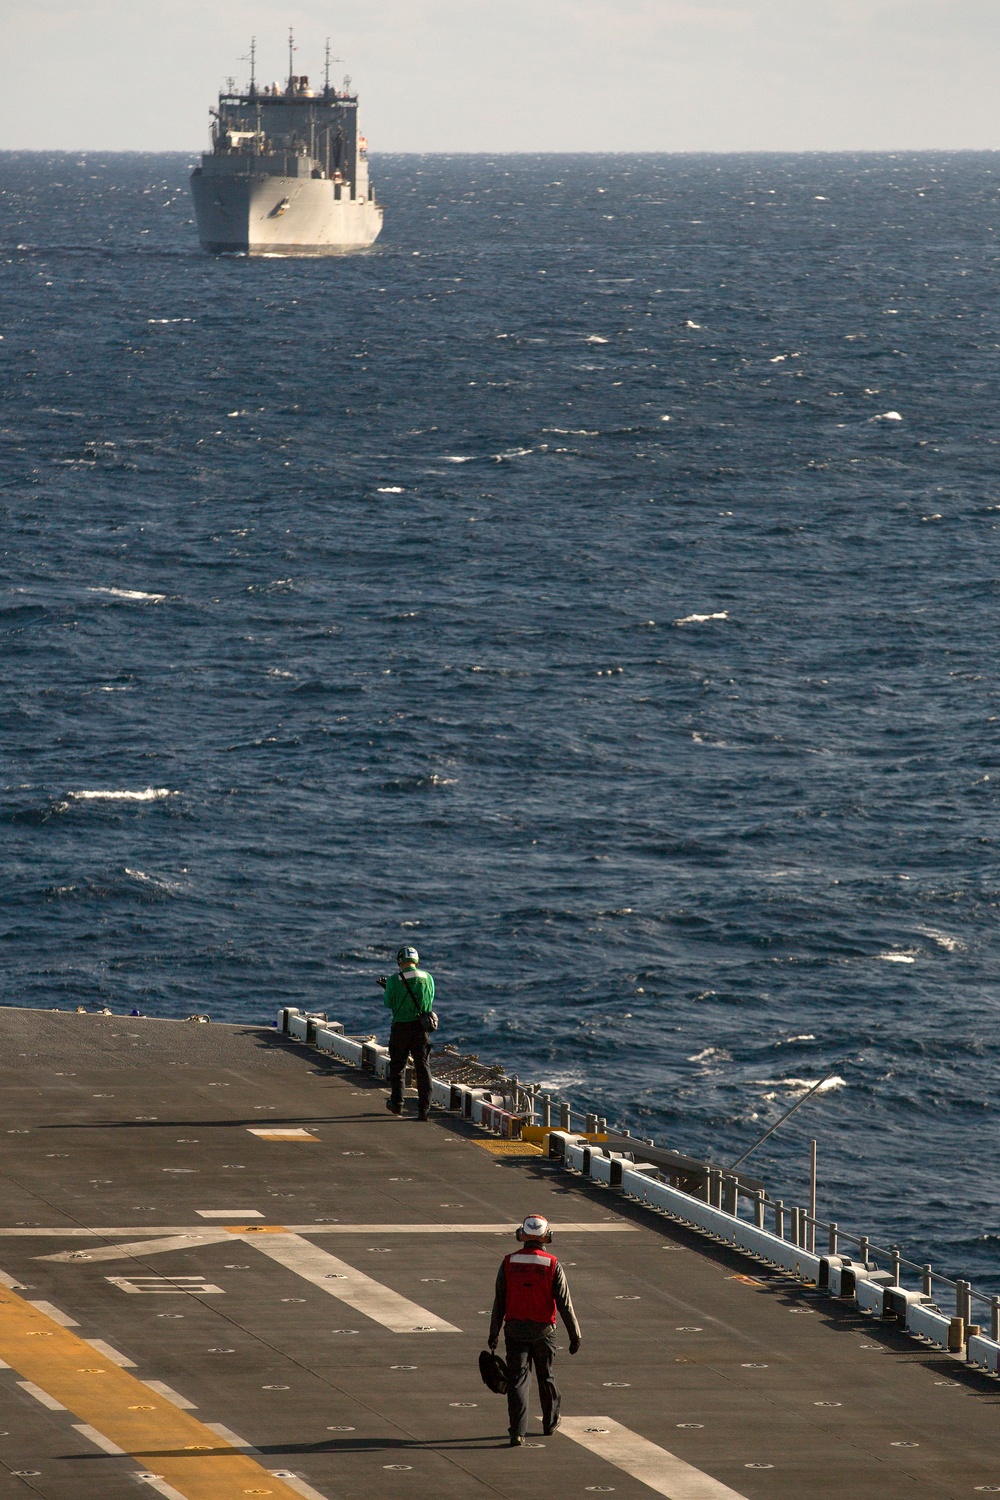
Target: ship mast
[(329, 59), (291, 62), (253, 65)]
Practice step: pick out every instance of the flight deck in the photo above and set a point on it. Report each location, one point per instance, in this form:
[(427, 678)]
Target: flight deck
[(229, 1271)]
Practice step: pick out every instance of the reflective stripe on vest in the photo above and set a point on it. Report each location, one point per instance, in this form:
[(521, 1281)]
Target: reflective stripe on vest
[(529, 1275)]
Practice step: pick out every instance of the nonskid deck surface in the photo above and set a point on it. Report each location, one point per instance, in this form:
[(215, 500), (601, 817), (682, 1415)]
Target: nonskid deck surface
[(239, 1275)]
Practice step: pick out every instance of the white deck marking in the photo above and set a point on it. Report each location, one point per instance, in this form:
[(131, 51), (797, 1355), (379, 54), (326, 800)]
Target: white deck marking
[(140, 1248), (294, 1134), (98, 1439), (121, 1360), (63, 1319), (169, 1394), (221, 1430), (189, 1234), (229, 1213), (655, 1467), (40, 1395), (160, 1486), (10, 1283), (166, 1286), (342, 1281), (295, 1483)]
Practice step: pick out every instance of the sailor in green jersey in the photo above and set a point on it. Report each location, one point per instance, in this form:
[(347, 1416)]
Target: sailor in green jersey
[(409, 994)]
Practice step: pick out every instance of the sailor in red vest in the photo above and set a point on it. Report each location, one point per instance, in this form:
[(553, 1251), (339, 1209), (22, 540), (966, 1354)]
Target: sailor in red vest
[(531, 1288)]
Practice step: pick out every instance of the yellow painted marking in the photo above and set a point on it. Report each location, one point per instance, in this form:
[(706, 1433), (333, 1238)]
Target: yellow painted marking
[(747, 1280), (256, 1229), (510, 1148), (160, 1436)]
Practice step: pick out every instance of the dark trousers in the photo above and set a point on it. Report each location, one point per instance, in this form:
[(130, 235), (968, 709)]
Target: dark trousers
[(409, 1039), (520, 1357)]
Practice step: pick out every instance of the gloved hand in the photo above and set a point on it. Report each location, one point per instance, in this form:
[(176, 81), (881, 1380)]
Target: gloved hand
[(574, 1346), (493, 1345)]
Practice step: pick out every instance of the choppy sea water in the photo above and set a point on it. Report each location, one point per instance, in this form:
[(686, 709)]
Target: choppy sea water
[(596, 585)]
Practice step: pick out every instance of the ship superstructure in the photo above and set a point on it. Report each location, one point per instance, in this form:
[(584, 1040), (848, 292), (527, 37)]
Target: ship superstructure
[(287, 173)]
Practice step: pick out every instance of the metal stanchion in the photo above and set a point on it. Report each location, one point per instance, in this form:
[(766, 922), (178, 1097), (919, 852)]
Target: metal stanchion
[(863, 1250), (779, 1218), (564, 1117), (591, 1128), (758, 1209), (547, 1111), (811, 1238), (927, 1281), (995, 1319), (832, 1240)]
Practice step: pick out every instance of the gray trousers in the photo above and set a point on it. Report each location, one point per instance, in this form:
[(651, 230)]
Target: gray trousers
[(541, 1354)]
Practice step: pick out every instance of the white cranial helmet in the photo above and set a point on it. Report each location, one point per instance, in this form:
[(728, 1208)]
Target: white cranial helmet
[(535, 1227)]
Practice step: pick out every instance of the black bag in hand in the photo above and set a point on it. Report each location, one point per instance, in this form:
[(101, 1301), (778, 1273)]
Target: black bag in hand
[(494, 1372)]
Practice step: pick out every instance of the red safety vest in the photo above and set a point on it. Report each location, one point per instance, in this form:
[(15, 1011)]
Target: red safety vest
[(530, 1274)]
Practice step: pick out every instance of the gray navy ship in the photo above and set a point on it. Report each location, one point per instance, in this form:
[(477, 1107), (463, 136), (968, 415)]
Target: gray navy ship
[(287, 173)]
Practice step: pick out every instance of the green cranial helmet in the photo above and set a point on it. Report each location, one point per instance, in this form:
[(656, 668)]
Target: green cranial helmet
[(407, 957)]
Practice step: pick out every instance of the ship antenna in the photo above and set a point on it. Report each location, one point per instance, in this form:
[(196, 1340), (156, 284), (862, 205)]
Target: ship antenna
[(251, 58), (329, 59), (291, 63)]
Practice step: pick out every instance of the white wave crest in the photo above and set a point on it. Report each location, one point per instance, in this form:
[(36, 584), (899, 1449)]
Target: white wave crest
[(154, 880), (800, 1085), (896, 958), (708, 1053), (949, 944), (149, 794), (722, 614), (134, 594), (390, 489), (888, 416)]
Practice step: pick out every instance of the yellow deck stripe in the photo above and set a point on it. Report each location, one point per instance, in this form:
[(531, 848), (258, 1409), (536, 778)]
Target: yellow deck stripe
[(163, 1440), (510, 1148)]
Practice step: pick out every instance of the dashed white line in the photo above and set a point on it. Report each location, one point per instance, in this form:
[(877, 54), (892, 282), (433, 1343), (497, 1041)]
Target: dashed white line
[(40, 1395), (98, 1439), (295, 1483), (169, 1394), (161, 1486), (116, 1358), (57, 1316), (221, 1430)]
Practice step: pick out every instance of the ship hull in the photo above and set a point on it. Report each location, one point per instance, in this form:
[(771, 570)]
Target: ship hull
[(251, 214)]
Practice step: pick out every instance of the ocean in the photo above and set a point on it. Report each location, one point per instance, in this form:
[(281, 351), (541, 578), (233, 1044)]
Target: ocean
[(595, 585)]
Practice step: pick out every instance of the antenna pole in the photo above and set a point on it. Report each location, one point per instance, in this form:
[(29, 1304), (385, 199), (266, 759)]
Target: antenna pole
[(784, 1117), (326, 81), (291, 64), (253, 65)]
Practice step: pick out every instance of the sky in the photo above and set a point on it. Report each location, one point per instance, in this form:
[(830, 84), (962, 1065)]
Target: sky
[(522, 75)]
